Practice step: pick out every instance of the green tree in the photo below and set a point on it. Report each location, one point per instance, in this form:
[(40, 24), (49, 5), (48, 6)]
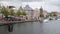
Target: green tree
[(24, 13), (55, 15), (4, 11), (50, 14), (18, 12), (12, 13), (41, 15)]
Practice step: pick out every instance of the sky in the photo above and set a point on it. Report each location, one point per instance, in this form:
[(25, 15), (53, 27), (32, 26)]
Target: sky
[(48, 5)]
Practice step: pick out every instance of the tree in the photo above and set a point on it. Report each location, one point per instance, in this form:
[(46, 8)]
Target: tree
[(4, 11), (23, 13), (55, 15), (52, 14), (18, 12), (41, 15), (11, 12)]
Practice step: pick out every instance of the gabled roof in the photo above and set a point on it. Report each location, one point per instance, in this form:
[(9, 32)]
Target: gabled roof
[(20, 8), (27, 8), (41, 8)]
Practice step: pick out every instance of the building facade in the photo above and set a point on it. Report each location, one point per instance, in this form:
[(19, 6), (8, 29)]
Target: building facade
[(29, 11), (44, 12), (36, 13)]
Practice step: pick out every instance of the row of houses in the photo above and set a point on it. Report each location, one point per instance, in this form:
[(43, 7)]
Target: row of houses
[(55, 12), (33, 13)]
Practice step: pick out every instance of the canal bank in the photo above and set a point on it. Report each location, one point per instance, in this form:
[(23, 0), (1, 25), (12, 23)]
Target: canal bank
[(52, 27)]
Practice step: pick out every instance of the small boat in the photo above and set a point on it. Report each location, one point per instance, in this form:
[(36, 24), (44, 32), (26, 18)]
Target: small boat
[(45, 20)]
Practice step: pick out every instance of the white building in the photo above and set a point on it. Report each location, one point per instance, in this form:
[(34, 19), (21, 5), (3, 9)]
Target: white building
[(29, 11)]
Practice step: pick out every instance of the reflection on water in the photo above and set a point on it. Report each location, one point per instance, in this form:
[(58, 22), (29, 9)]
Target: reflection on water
[(52, 27)]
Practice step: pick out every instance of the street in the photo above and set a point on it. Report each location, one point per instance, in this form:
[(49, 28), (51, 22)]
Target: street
[(50, 27)]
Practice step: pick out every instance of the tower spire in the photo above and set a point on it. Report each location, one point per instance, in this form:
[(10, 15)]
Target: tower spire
[(41, 9)]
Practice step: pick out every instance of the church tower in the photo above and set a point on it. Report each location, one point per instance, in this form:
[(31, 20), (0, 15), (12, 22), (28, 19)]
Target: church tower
[(41, 12)]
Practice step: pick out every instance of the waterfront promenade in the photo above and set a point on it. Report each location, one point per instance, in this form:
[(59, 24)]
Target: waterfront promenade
[(50, 27), (10, 24), (14, 22)]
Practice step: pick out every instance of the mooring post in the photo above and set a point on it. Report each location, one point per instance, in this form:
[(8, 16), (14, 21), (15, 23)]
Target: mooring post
[(10, 27)]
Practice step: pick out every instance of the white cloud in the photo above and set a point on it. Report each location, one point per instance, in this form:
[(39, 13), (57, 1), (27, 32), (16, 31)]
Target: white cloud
[(49, 5), (53, 2)]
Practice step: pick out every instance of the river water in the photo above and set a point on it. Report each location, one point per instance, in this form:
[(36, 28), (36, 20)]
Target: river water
[(50, 27)]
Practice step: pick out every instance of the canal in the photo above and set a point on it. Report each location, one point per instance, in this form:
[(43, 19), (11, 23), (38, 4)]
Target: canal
[(50, 27)]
